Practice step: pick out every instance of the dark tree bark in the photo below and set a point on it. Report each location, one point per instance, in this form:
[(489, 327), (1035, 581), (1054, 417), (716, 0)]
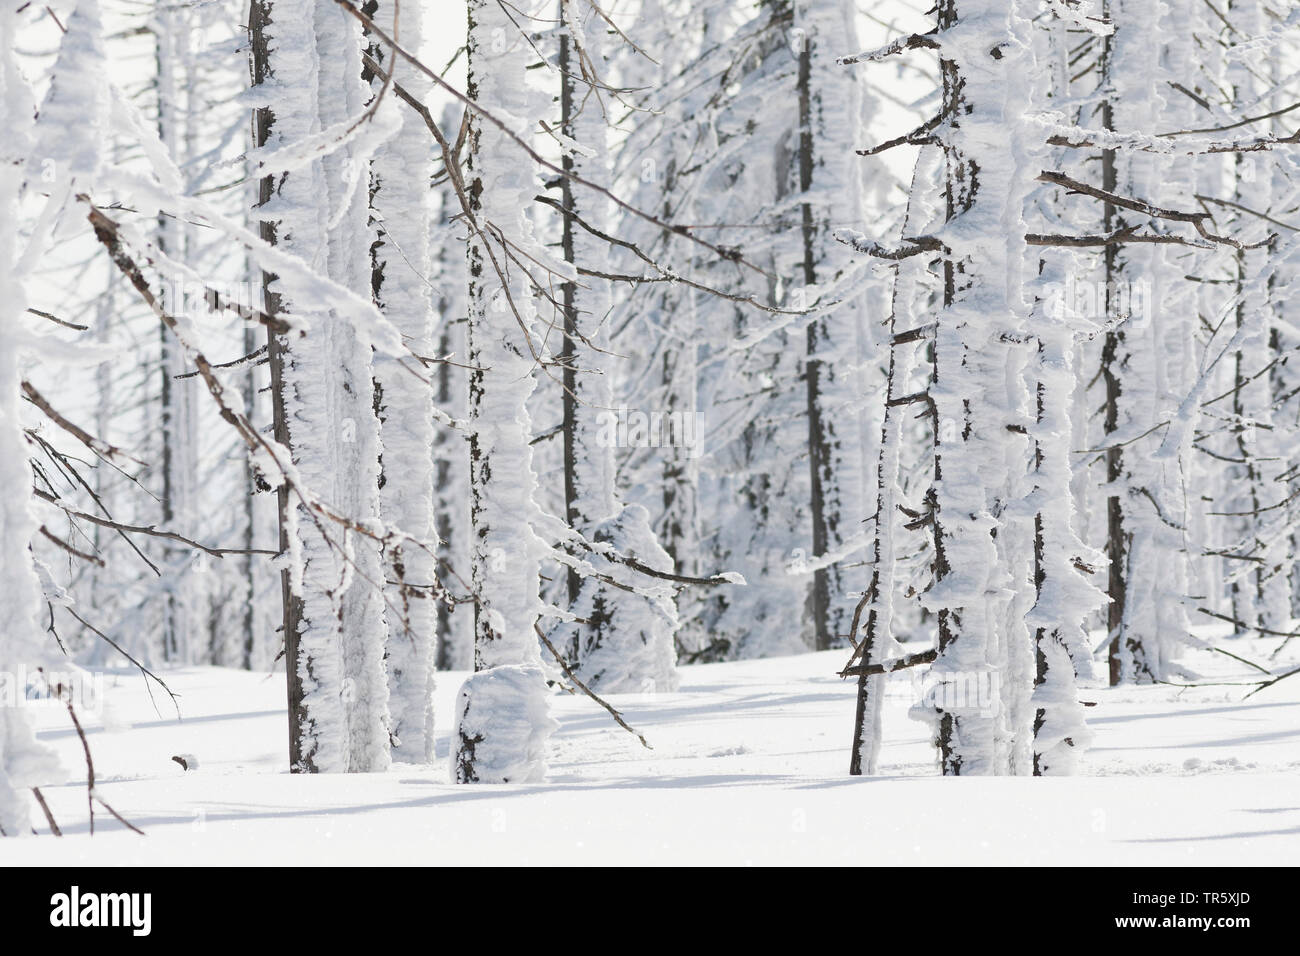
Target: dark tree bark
[(259, 20)]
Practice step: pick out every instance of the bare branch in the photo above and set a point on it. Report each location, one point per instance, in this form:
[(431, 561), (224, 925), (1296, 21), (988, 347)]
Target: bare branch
[(618, 718), (916, 41)]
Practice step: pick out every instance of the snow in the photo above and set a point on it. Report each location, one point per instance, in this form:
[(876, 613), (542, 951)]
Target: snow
[(748, 766), (502, 726)]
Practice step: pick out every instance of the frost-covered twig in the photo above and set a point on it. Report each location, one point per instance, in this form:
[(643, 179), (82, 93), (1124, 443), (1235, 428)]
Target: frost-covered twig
[(916, 245), (923, 135), (916, 41), (99, 447), (1081, 138), (888, 667), (1196, 219)]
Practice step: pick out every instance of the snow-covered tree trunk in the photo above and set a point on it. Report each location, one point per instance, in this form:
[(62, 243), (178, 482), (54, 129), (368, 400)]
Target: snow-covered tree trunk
[(1260, 588), (502, 724), (402, 203), (1148, 357), (249, 646), (876, 611), (307, 60), (589, 492), (678, 527), (24, 762), (1064, 597), (342, 97), (977, 392)]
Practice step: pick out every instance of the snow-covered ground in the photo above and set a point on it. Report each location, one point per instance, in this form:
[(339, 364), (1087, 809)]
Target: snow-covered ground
[(748, 766)]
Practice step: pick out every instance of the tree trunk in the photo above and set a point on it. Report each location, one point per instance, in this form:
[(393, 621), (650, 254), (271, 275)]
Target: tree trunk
[(322, 392), (401, 201), (501, 722)]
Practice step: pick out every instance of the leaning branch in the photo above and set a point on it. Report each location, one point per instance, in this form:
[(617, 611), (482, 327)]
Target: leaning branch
[(568, 672)]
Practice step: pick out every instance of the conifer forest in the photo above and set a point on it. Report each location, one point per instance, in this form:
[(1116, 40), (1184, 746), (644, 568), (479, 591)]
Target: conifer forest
[(649, 431)]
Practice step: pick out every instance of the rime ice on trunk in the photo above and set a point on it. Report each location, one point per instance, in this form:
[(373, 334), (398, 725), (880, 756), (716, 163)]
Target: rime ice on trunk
[(24, 762), (1148, 357), (1064, 597), (307, 57), (982, 673), (502, 724), (401, 205)]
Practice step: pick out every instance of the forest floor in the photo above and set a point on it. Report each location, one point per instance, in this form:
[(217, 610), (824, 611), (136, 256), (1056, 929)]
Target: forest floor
[(748, 766)]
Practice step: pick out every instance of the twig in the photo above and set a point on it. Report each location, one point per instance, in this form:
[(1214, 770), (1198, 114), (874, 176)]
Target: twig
[(916, 41), (587, 690), (888, 667), (45, 808), (58, 321), (76, 431), (1270, 683), (117, 647), (92, 558), (147, 529)]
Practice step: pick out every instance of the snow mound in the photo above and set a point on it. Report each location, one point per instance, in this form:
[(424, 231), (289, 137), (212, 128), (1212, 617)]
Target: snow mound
[(511, 700)]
